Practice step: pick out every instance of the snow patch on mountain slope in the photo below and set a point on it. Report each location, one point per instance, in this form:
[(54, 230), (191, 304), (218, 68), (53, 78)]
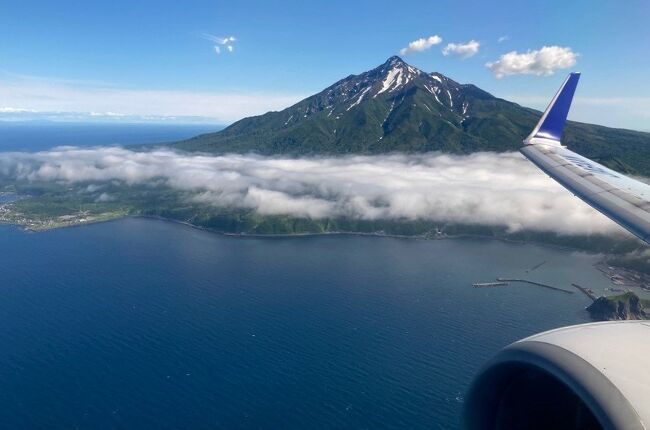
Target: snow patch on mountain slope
[(363, 93), (394, 75)]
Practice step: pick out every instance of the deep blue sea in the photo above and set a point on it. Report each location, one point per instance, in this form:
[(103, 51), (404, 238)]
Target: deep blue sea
[(37, 136), (146, 324)]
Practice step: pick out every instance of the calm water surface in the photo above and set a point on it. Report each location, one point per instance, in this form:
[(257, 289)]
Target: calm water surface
[(22, 136), (145, 324)]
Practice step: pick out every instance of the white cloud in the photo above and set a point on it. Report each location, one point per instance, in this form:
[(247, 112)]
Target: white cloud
[(104, 197), (107, 114), (543, 62), (502, 39), (13, 110), (39, 98), (483, 188), (219, 40), (462, 50), (420, 45), (227, 42)]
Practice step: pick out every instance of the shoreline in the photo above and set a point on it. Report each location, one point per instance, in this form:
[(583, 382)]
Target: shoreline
[(312, 234)]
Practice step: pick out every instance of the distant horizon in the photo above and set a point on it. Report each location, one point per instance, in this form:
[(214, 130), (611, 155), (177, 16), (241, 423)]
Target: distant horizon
[(108, 122), (82, 118), (11, 115)]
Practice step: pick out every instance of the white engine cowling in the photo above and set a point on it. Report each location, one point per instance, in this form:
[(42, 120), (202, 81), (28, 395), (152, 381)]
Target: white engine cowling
[(590, 376)]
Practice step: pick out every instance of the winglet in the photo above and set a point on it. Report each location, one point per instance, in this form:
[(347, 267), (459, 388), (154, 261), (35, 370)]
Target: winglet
[(550, 127)]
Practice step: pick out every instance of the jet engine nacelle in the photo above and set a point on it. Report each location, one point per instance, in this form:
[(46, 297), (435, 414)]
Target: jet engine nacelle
[(590, 376)]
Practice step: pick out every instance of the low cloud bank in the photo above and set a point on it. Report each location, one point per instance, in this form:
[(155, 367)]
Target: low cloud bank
[(483, 188)]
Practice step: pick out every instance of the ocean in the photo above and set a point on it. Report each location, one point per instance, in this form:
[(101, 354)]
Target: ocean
[(147, 324), (38, 136)]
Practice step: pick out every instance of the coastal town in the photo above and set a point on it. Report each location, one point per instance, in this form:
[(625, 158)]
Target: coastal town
[(8, 215)]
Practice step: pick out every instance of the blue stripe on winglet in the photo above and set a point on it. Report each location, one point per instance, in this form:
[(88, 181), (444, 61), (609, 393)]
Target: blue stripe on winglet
[(553, 125)]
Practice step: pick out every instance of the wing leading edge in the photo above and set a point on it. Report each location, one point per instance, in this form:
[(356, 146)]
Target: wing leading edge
[(622, 199)]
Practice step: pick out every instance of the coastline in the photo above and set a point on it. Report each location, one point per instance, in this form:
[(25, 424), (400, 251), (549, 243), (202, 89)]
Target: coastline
[(309, 234)]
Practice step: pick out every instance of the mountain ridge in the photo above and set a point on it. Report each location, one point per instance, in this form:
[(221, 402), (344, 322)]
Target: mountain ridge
[(396, 107)]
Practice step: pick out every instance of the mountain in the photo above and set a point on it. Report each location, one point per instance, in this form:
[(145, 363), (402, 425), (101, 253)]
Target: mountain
[(397, 107)]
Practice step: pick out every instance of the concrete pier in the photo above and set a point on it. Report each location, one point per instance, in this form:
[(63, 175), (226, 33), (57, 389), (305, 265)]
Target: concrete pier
[(539, 284)]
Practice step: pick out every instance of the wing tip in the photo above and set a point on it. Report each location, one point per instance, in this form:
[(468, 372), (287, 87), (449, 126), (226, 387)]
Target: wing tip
[(550, 127)]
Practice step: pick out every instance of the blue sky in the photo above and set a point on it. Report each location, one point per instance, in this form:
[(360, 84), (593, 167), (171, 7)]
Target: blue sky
[(151, 60)]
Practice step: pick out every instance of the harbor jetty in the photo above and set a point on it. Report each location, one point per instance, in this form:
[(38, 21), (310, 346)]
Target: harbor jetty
[(489, 284), (535, 267), (587, 291), (539, 284)]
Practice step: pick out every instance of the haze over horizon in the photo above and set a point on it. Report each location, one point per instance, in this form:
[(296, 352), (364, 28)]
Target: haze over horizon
[(140, 63)]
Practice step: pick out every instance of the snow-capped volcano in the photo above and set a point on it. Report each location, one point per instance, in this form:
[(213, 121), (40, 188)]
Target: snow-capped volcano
[(393, 107), (392, 82)]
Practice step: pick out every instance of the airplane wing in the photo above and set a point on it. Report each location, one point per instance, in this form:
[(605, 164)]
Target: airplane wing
[(622, 199), (588, 376)]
